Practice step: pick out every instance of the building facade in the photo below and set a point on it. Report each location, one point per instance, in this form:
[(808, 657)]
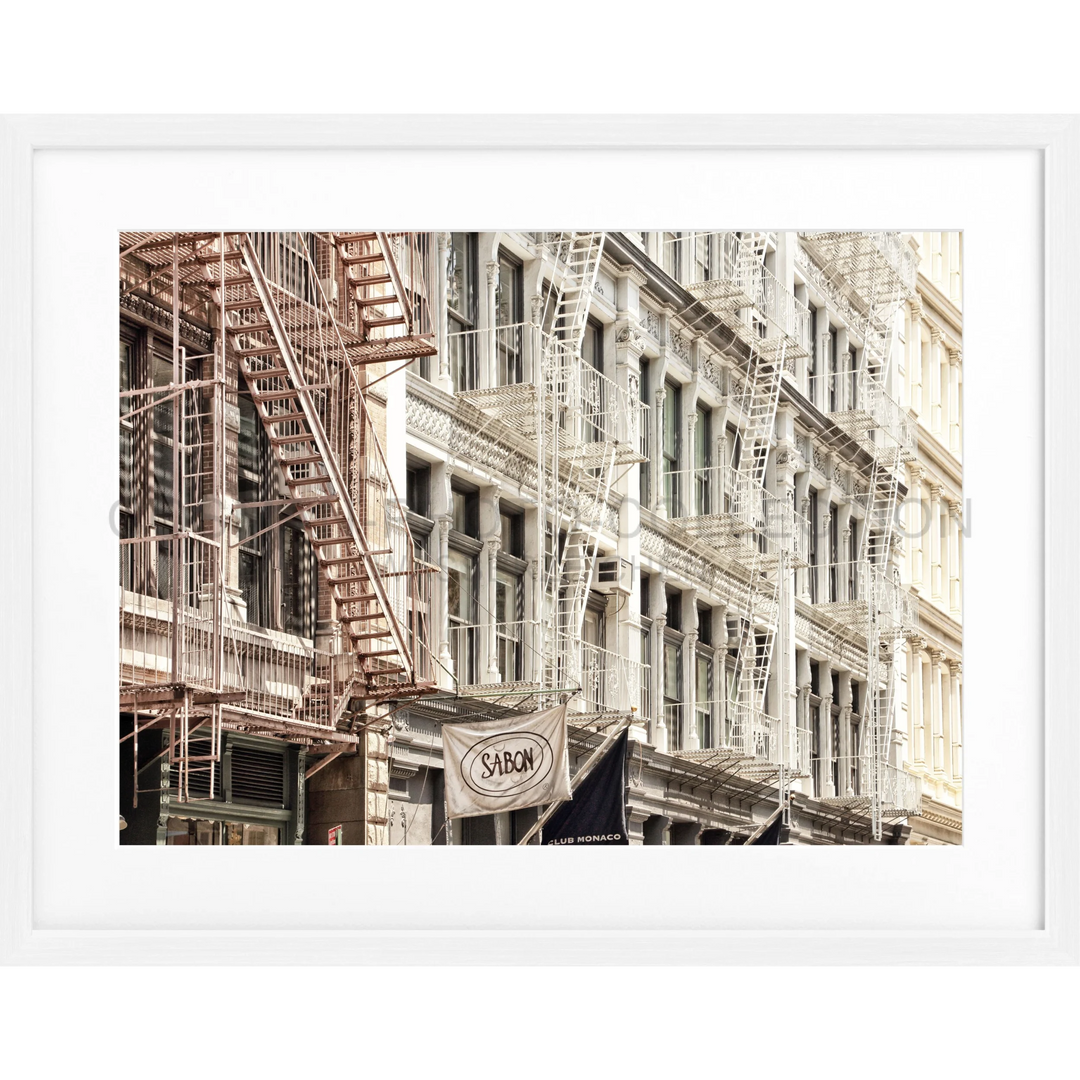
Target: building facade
[(704, 484)]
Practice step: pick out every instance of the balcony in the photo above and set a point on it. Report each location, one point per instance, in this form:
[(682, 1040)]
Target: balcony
[(736, 736), (726, 272), (900, 791), (535, 382), (878, 267), (608, 681), (170, 637), (845, 592), (855, 400), (719, 505)]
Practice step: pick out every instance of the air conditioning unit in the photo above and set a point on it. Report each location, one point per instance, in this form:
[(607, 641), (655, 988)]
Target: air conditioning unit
[(613, 576)]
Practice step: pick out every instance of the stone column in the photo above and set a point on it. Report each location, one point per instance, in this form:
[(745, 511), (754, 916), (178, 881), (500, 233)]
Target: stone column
[(824, 359), (657, 603), (690, 696), (956, 668), (915, 704), (954, 559), (935, 541), (489, 374), (937, 760), (719, 711), (915, 523), (491, 547), (847, 556), (686, 485), (659, 497), (442, 606), (915, 360), (828, 751), (802, 503), (534, 342), (954, 401), (845, 750), (660, 728), (443, 380), (935, 380)]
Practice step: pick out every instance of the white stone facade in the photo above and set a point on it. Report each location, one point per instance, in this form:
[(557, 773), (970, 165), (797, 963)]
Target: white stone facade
[(659, 630)]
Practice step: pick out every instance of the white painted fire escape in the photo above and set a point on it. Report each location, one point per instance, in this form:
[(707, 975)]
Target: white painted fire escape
[(875, 273)]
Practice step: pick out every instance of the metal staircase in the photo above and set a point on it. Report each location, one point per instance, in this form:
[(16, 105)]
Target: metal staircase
[(303, 378)]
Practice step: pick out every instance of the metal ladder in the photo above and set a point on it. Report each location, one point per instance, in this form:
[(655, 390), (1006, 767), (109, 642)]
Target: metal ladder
[(583, 491)]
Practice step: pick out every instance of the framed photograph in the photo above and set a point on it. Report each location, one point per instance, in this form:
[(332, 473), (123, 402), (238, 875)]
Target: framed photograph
[(526, 482)]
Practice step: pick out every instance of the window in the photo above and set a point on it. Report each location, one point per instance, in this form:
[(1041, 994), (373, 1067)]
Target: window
[(161, 448), (646, 646), (853, 555), (418, 489), (461, 303), (702, 474), (674, 609), (815, 525), (834, 552), (509, 605), (672, 423), (596, 402), (127, 469), (855, 748), (704, 624), (735, 442), (671, 242), (512, 534), (463, 578), (703, 696), (702, 269), (418, 507), (811, 365), (281, 599), (195, 832), (465, 513), (508, 316), (285, 259), (673, 688), (253, 472), (510, 597), (832, 380), (299, 577)]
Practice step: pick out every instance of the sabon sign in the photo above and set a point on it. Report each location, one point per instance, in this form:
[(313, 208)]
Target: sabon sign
[(507, 765)]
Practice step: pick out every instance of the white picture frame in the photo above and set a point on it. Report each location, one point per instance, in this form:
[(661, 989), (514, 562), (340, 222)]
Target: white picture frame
[(29, 939)]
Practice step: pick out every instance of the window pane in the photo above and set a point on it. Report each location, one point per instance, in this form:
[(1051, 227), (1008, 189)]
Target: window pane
[(125, 375), (460, 278), (673, 672), (460, 585)]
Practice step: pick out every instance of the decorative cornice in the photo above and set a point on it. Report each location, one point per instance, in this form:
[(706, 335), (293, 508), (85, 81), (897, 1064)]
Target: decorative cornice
[(631, 272), (146, 309)]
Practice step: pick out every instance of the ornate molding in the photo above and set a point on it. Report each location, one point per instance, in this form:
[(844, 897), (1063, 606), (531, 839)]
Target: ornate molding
[(151, 312), (630, 335)]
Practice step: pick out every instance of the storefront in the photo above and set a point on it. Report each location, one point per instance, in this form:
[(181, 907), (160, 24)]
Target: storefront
[(257, 796)]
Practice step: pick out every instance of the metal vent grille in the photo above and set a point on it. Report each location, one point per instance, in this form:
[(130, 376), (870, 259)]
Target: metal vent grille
[(257, 776)]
